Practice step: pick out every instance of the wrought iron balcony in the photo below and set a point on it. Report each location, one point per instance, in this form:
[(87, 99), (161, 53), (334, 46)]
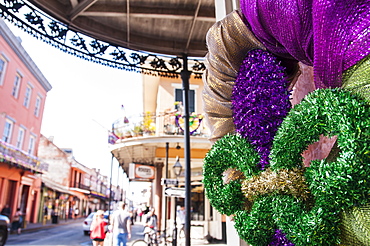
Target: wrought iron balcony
[(80, 186), (150, 124), (20, 158)]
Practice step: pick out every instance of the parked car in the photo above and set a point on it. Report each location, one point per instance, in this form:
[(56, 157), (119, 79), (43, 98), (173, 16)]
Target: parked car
[(4, 229), (87, 222)]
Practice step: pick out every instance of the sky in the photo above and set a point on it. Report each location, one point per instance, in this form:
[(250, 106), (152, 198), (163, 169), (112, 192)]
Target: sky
[(85, 100)]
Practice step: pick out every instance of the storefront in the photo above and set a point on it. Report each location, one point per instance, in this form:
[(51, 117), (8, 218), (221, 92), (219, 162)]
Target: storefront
[(54, 202), (97, 201), (20, 182)]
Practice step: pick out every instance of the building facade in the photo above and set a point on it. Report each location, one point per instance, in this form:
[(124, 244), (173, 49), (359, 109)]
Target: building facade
[(99, 194), (70, 189), (79, 185), (36, 176), (23, 90), (57, 199)]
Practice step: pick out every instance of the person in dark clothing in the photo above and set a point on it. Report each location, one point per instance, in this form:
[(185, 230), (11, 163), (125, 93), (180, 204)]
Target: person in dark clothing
[(152, 220), (17, 221), (6, 211)]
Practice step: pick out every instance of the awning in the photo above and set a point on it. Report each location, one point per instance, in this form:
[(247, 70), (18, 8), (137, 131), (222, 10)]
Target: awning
[(98, 194), (57, 187)]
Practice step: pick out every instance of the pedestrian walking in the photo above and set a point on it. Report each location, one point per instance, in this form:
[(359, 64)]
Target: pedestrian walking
[(77, 211), (152, 219), (140, 214), (181, 215), (17, 221), (121, 225), (97, 228), (151, 223)]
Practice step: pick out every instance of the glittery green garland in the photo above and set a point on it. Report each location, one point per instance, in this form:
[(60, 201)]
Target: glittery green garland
[(338, 185), (289, 214), (335, 186), (231, 151), (329, 112)]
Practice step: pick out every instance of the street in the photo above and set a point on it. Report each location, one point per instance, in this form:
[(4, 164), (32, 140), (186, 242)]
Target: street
[(62, 235)]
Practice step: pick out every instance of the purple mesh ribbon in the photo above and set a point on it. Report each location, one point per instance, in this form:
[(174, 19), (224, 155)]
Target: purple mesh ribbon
[(330, 35)]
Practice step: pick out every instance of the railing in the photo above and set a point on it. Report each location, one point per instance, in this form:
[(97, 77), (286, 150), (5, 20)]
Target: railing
[(62, 36), (80, 186), (84, 187), (149, 124), (18, 157)]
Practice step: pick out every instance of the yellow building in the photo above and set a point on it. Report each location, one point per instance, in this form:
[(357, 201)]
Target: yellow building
[(149, 144)]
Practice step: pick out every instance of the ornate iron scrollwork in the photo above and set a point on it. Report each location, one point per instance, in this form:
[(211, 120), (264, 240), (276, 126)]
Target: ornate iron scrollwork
[(23, 15)]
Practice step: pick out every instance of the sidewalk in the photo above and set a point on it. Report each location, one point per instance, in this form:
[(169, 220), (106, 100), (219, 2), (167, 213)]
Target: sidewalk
[(137, 230), (38, 226)]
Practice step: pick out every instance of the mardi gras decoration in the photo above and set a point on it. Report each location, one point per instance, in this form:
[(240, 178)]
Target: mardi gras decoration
[(194, 122), (255, 170), (306, 203)]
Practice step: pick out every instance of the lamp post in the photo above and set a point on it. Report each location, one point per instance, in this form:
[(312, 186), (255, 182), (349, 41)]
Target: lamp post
[(177, 168), (185, 75), (165, 198)]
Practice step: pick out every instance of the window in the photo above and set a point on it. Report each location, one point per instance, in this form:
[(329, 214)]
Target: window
[(20, 138), (3, 64), (27, 96), (31, 145), (7, 133), (37, 106), (178, 98), (16, 86)]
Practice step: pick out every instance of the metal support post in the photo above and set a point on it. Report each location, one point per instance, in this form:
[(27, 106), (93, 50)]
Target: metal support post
[(174, 239), (185, 75), (110, 186), (165, 198)]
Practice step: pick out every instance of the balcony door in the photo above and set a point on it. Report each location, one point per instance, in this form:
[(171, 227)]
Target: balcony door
[(178, 98)]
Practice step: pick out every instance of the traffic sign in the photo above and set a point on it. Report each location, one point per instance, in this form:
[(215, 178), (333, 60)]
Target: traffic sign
[(170, 181), (172, 191)]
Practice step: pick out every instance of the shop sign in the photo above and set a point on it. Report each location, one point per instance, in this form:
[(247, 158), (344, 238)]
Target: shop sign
[(140, 171)]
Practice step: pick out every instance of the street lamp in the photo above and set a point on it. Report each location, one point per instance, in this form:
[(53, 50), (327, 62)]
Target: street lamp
[(177, 168)]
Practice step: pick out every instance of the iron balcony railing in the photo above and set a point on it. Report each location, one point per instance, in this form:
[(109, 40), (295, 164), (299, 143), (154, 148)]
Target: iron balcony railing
[(20, 158), (80, 186), (150, 124)]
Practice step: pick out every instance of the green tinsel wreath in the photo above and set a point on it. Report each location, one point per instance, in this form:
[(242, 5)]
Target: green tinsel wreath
[(338, 185), (335, 186), (330, 112), (231, 151)]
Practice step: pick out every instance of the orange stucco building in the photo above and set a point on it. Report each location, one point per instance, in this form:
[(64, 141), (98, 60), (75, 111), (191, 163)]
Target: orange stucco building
[(23, 90)]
